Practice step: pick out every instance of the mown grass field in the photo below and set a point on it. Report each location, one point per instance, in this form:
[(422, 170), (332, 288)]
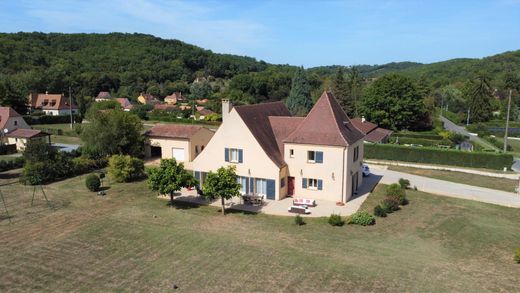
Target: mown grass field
[(459, 177), (132, 241)]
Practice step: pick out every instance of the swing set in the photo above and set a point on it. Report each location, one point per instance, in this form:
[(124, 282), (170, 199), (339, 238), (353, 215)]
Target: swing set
[(34, 191)]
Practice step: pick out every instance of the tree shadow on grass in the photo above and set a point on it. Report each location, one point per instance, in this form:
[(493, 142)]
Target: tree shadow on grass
[(182, 205)]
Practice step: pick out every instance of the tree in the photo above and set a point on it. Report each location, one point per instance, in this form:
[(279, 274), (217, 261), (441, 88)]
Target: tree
[(355, 86), (169, 178), (478, 96), (84, 103), (200, 90), (13, 94), (112, 132), (222, 184), (125, 168), (392, 101), (299, 101), (341, 92)]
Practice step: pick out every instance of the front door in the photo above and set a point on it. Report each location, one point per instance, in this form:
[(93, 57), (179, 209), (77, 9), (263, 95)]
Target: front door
[(290, 186), (354, 183)]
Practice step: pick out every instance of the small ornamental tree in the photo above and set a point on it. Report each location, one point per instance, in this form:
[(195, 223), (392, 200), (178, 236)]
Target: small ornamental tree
[(92, 182), (169, 178), (222, 184)]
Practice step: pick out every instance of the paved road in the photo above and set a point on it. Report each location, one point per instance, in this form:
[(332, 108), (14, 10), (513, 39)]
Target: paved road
[(448, 125), (450, 189)]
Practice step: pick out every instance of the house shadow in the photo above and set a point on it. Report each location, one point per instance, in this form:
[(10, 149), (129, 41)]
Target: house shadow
[(245, 209), (369, 183)]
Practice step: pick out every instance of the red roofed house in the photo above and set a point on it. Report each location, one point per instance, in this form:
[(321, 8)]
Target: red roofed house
[(183, 142), (174, 98), (317, 157), (373, 133), (15, 130), (51, 104), (125, 104), (147, 99), (103, 96)]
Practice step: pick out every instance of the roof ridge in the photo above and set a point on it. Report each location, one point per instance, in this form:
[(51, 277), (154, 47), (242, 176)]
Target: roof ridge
[(334, 116)]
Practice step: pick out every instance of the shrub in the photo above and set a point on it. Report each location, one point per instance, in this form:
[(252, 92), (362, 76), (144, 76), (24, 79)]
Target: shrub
[(517, 255), (428, 155), (362, 218), (298, 220), (389, 205), (405, 183), (379, 211), (92, 182), (125, 168), (336, 220), (396, 192)]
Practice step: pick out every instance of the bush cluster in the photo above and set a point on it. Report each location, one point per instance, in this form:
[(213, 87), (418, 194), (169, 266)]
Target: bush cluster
[(405, 183), (6, 165), (361, 218), (92, 182), (47, 119), (7, 149), (298, 220), (517, 255), (379, 211), (397, 193), (438, 156), (336, 220), (125, 168)]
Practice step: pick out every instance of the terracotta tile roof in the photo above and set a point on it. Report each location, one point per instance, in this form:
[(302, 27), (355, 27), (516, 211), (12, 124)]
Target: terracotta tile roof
[(363, 126), (282, 127), (104, 95), (124, 102), (5, 114), (378, 135), (326, 124), (177, 96), (26, 133), (50, 102), (256, 118), (173, 131)]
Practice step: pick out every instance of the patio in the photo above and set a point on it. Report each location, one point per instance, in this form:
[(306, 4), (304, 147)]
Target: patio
[(323, 208)]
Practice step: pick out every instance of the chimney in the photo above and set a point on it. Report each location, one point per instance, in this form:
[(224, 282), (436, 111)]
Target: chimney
[(226, 108), (363, 119)]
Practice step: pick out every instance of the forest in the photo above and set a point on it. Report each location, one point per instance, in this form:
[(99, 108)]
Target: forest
[(129, 64)]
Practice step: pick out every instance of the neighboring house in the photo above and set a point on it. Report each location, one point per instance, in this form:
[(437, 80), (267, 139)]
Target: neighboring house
[(11, 120), (146, 99), (125, 104), (103, 96), (319, 156), (174, 98), (374, 134), (179, 141), (203, 112), (201, 101), (51, 104), (20, 137)]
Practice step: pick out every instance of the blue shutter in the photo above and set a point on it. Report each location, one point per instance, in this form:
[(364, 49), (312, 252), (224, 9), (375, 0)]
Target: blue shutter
[(319, 157), (304, 182), (320, 184), (270, 189), (197, 175), (226, 154), (240, 156), (247, 185), (251, 185)]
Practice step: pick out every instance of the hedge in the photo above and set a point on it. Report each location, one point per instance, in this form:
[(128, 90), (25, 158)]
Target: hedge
[(418, 135), (438, 156), (48, 119), (6, 165), (421, 141), (7, 149)]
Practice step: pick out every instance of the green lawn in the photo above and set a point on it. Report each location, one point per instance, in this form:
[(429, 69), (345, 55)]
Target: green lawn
[(460, 177), (65, 139), (9, 157), (132, 241), (65, 127)]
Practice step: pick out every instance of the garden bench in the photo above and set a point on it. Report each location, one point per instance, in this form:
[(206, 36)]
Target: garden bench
[(304, 201), (299, 209)]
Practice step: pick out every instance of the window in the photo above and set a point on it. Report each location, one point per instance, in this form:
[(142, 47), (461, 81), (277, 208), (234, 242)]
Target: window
[(291, 153), (261, 186), (243, 184), (201, 148), (311, 156), (233, 155), (312, 183), (15, 123), (282, 183), (196, 150), (356, 153)]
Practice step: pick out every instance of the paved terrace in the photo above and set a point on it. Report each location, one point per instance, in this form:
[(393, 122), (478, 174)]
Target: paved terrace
[(323, 208)]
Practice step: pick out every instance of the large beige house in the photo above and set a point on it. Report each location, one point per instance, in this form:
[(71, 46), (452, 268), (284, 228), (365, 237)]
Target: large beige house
[(182, 142), (319, 156), (15, 131), (51, 104)]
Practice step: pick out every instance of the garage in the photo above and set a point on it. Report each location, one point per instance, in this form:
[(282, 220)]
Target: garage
[(179, 154)]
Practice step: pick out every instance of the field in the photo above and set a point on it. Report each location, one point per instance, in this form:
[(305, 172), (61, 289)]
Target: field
[(464, 178), (132, 241)]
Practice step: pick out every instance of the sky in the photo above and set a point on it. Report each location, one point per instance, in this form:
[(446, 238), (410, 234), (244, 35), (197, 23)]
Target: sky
[(307, 33)]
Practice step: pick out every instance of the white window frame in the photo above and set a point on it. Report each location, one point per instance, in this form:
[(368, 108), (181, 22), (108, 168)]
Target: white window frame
[(261, 186), (312, 183), (313, 157), (291, 153), (243, 182), (233, 155)]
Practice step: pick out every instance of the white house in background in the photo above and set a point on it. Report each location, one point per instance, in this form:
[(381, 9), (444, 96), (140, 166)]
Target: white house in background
[(180, 141), (318, 157), (11, 120), (14, 129), (20, 137), (51, 104), (103, 96)]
